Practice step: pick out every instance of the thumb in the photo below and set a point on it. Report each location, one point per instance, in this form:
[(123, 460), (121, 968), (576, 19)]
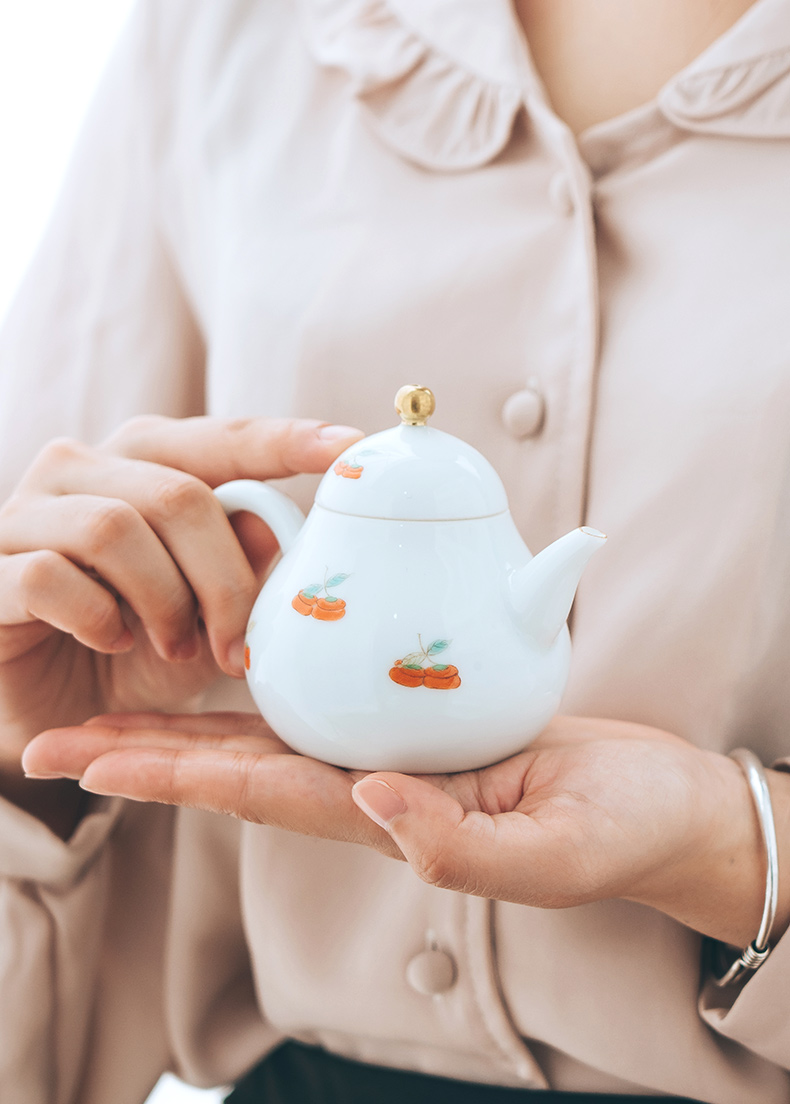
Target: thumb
[(445, 845)]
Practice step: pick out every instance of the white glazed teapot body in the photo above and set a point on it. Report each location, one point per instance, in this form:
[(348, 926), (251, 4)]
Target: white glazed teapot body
[(404, 644), (424, 668)]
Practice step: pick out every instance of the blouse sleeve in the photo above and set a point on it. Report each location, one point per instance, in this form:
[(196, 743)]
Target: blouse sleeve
[(101, 330), (756, 1013)]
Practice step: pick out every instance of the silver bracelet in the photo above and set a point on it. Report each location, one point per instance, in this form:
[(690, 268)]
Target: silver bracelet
[(758, 951)]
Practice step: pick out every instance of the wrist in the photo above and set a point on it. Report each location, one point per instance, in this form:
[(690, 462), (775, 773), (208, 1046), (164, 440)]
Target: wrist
[(717, 883)]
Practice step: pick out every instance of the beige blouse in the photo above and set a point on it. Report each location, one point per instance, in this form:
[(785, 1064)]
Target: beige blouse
[(287, 208)]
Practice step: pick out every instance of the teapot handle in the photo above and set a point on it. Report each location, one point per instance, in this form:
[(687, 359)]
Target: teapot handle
[(280, 513)]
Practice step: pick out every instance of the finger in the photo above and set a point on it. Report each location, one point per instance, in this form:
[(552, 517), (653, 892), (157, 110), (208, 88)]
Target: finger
[(216, 450), (284, 790), (111, 537), (69, 750), (468, 851), (258, 542), (45, 586), (207, 722), (179, 509)]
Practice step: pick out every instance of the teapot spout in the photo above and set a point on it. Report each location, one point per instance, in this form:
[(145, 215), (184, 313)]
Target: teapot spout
[(543, 590)]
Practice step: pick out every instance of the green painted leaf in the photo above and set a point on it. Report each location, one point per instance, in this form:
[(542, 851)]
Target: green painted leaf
[(414, 667), (412, 660), (440, 667), (312, 591), (333, 581), (438, 646)]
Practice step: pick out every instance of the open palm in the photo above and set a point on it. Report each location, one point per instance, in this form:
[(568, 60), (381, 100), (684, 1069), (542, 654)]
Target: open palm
[(593, 809)]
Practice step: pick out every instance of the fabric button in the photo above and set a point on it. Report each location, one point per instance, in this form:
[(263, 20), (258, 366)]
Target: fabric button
[(560, 194), (431, 972), (523, 413)]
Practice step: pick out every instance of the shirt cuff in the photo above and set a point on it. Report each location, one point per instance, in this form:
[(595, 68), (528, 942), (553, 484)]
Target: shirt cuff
[(29, 850), (756, 1013)]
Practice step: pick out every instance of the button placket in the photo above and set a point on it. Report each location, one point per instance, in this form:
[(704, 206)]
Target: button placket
[(572, 396), (479, 915), (561, 193)]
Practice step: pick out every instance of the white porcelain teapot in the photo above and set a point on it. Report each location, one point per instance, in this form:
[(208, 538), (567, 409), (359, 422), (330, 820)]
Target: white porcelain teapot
[(407, 626)]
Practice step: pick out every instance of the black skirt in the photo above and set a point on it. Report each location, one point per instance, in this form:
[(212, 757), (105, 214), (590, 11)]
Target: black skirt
[(300, 1073)]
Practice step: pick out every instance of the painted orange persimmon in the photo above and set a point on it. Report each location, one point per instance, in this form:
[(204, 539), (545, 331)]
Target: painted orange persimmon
[(247, 657), (303, 603), (442, 685), (329, 610), (406, 677), (443, 678), (351, 472)]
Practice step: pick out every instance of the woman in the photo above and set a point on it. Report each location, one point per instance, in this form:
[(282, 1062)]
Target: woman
[(280, 212)]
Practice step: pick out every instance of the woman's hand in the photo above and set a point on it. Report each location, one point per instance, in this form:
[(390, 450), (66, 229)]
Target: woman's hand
[(594, 809), (122, 583), (226, 762)]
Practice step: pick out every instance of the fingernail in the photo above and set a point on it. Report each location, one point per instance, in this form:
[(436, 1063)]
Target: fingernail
[(335, 433), (94, 790), (44, 776), (125, 641), (379, 801), (185, 650), (236, 656)]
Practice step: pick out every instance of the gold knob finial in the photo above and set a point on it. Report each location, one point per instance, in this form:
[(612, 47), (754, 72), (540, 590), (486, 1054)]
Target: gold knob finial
[(415, 404)]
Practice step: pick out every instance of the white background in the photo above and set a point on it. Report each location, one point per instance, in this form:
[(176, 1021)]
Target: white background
[(52, 53)]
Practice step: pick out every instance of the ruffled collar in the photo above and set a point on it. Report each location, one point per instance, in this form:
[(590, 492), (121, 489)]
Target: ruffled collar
[(740, 85), (438, 79), (442, 81)]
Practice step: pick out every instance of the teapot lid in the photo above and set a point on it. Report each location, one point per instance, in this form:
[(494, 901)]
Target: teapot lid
[(413, 472)]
